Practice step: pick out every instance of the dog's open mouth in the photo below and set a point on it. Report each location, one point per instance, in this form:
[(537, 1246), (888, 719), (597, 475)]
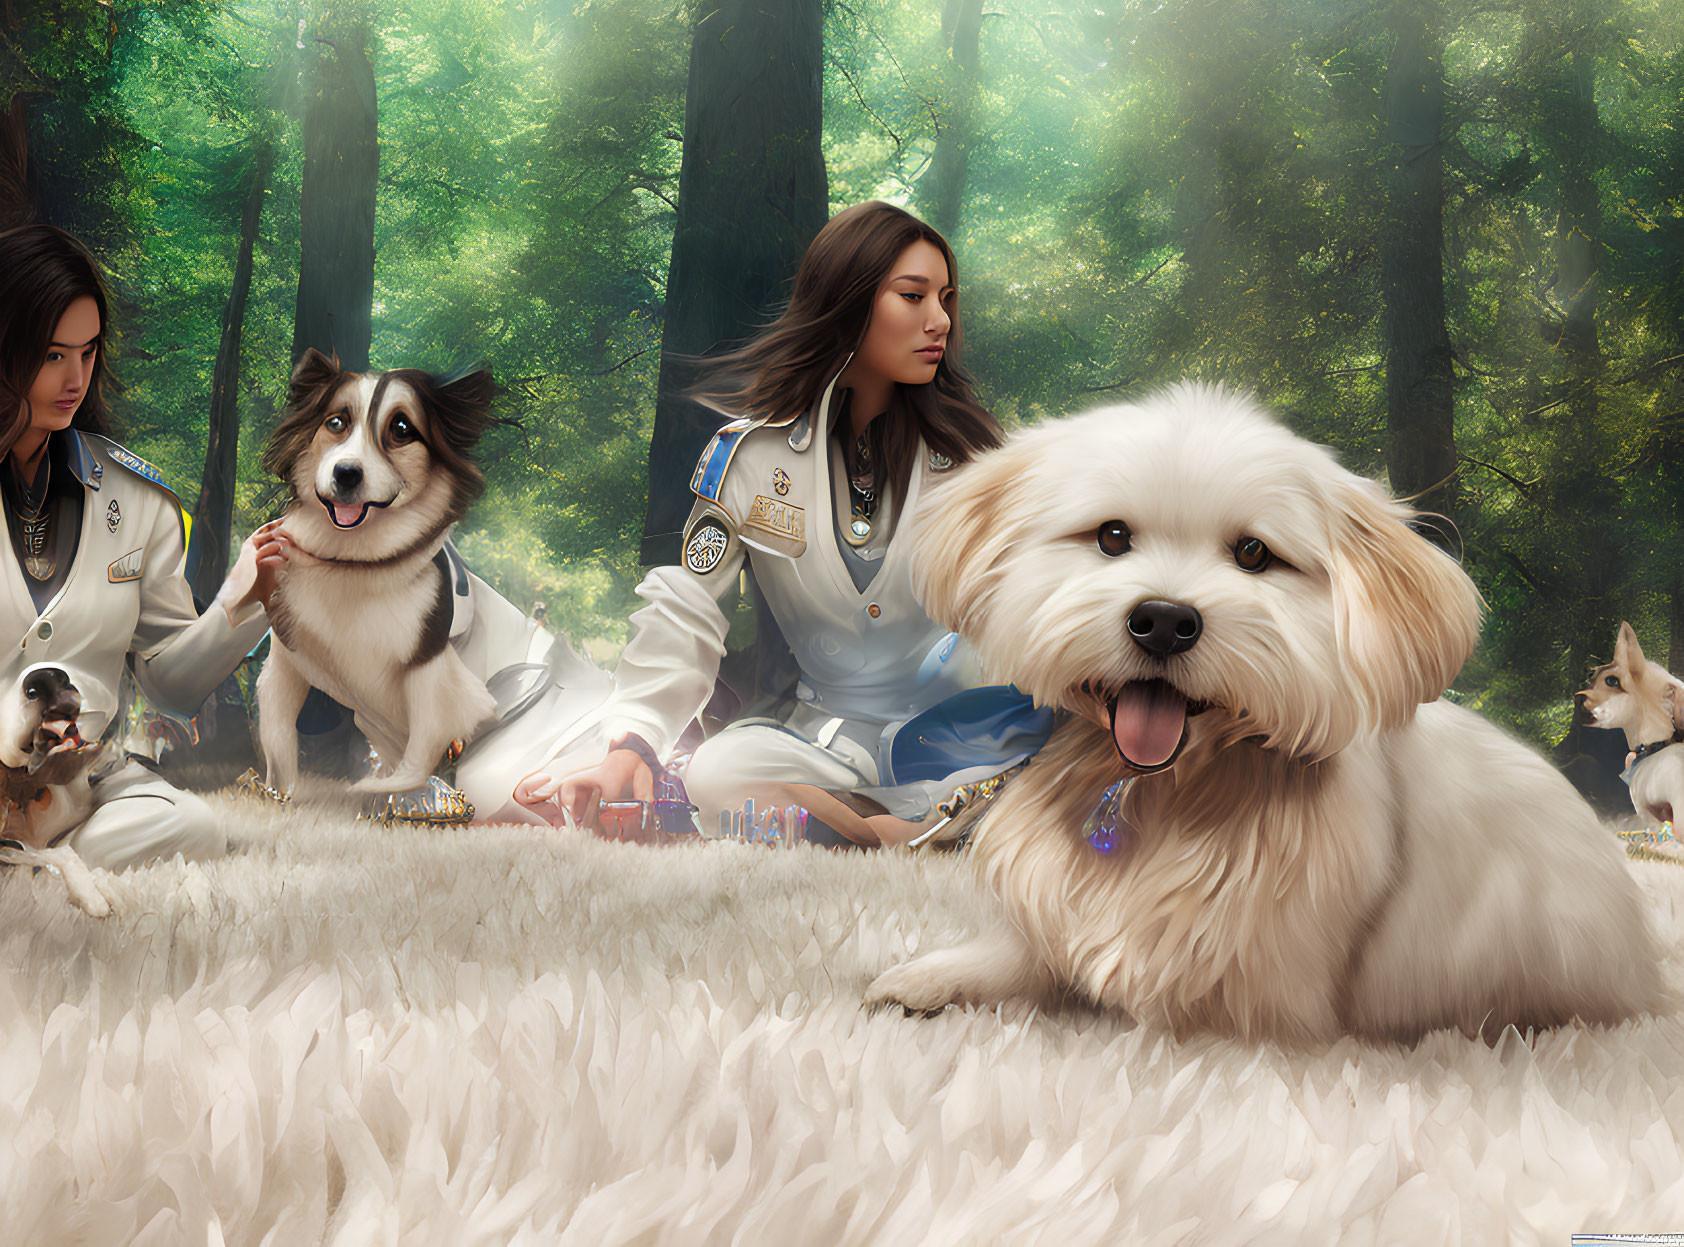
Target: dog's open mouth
[(349, 515), (1149, 722), (53, 738)]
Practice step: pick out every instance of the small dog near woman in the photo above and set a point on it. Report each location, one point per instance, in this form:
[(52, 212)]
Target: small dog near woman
[(1640, 698), (44, 793), (375, 608), (1259, 818)]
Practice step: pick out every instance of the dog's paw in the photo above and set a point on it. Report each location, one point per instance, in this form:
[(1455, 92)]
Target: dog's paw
[(397, 781), (95, 901), (88, 888), (925, 984)]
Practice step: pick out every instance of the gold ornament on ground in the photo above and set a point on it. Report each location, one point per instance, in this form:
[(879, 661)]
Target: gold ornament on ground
[(960, 812), (435, 805), (252, 785)]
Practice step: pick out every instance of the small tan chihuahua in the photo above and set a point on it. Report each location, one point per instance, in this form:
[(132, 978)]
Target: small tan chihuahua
[(1641, 698)]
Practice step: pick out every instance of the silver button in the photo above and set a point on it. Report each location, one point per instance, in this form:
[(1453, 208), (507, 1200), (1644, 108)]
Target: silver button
[(45, 631)]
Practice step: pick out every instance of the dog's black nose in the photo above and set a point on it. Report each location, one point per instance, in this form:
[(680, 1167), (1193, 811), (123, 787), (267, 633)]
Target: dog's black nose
[(1165, 628), (51, 689), (347, 476), (46, 683)]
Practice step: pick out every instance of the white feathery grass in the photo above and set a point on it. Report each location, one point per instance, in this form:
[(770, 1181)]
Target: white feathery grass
[(343, 1034)]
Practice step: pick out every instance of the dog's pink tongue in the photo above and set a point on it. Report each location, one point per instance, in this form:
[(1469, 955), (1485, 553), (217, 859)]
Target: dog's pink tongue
[(346, 516), (1147, 722)]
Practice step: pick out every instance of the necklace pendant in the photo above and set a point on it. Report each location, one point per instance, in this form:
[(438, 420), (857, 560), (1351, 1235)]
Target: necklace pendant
[(858, 531), (1105, 829), (36, 561)]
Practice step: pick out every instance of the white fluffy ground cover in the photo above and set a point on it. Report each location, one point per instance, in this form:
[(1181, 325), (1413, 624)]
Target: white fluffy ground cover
[(347, 1035)]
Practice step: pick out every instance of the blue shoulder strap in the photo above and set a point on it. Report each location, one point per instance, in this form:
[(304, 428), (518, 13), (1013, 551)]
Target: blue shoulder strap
[(138, 466), (710, 469)]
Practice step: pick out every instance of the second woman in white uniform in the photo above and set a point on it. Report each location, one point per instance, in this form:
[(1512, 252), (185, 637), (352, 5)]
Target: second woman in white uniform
[(853, 400)]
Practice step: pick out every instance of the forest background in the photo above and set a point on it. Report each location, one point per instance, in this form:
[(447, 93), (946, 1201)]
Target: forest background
[(1446, 239)]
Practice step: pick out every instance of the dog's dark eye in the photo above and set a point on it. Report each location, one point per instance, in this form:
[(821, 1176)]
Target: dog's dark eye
[(336, 424), (1252, 555), (401, 432), (1114, 538), (1612, 681)]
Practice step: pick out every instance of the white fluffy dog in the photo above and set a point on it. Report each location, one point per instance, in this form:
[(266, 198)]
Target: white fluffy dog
[(1313, 843)]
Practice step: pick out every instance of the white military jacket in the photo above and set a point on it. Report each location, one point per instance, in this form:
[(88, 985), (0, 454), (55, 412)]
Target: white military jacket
[(124, 595), (764, 489)]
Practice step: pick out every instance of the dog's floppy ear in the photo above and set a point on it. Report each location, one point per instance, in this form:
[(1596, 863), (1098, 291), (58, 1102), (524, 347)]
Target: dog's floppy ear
[(465, 402), (1408, 616), (313, 383), (313, 371), (473, 391), (962, 534), (459, 414)]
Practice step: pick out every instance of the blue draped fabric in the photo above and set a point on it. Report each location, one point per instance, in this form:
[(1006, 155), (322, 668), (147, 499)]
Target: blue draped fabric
[(996, 725)]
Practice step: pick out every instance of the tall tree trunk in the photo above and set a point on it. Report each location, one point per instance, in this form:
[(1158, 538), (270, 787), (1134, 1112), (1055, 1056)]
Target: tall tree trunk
[(943, 185), (1420, 402), (752, 193), (62, 87), (1675, 627), (1586, 496), (16, 208), (1578, 249), (213, 516), (336, 204)]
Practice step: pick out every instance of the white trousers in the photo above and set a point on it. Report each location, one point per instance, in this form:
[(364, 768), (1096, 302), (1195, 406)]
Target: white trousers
[(138, 817), (488, 772), (742, 760)]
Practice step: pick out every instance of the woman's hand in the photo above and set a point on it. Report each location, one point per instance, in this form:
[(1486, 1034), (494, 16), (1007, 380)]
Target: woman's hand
[(578, 791), (255, 571)]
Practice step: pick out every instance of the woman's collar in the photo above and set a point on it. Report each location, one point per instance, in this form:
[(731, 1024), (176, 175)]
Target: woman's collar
[(801, 434), (78, 457)]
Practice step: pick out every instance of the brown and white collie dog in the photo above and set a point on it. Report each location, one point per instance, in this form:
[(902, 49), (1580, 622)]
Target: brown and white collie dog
[(1260, 817), (376, 609)]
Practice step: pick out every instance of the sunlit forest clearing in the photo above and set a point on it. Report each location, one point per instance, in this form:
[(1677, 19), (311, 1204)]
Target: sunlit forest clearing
[(1447, 239)]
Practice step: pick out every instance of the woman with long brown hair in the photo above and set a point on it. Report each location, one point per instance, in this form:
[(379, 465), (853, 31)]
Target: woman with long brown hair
[(90, 579), (850, 402)]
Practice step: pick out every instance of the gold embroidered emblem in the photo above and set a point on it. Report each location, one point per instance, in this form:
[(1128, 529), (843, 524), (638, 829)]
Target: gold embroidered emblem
[(780, 482), (779, 519)]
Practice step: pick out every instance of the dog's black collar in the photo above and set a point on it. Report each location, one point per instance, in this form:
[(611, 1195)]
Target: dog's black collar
[(1654, 746)]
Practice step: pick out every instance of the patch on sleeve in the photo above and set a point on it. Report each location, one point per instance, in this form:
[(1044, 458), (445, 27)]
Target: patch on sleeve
[(711, 467), (705, 543), (778, 527), (128, 567)]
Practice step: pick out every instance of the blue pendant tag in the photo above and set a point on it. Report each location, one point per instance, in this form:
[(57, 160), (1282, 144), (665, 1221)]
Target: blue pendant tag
[(1106, 828)]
